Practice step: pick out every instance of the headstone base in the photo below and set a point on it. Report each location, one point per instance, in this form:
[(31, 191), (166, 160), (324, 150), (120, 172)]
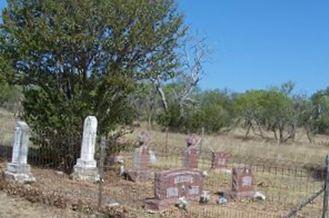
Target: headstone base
[(222, 170), (19, 173), (139, 175), (157, 205), (85, 174), (90, 164), (242, 195)]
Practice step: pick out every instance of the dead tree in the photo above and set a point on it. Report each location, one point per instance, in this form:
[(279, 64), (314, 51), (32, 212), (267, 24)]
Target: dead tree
[(194, 56), (158, 86)]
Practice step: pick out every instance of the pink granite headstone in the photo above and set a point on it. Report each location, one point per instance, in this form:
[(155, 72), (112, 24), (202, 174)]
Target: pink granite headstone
[(172, 185), (242, 183), (190, 156), (220, 161)]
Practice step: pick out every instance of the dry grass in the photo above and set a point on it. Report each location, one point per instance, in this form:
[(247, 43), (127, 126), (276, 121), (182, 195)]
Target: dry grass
[(7, 125), (254, 150), (284, 188), (20, 208)]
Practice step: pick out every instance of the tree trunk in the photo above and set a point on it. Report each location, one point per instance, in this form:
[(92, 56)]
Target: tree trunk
[(163, 98), (274, 133), (149, 120), (248, 130), (291, 134), (308, 134), (281, 138), (260, 131)]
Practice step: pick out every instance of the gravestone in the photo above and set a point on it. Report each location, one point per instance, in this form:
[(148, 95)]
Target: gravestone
[(242, 183), (141, 160), (18, 170), (219, 161), (86, 167), (172, 185), (190, 156)]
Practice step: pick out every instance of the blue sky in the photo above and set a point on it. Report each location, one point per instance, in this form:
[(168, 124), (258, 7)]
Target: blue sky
[(262, 43)]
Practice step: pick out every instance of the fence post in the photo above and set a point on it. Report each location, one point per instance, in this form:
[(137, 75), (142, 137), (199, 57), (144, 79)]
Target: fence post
[(326, 191), (202, 136), (201, 147), (167, 136), (101, 172)]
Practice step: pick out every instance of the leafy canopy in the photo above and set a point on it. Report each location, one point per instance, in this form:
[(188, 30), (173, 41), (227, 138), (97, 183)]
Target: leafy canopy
[(84, 56), (76, 58)]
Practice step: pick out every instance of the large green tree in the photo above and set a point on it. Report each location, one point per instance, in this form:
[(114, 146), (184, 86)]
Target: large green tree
[(83, 57), (214, 111), (320, 102), (271, 109), (10, 95)]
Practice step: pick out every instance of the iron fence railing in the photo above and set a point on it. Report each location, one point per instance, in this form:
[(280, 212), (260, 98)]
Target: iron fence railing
[(284, 186)]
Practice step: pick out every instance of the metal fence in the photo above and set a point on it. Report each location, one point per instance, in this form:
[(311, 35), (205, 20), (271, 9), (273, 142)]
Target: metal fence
[(284, 187)]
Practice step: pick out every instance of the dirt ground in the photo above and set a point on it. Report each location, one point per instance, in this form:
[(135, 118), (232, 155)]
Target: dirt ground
[(16, 207), (281, 173)]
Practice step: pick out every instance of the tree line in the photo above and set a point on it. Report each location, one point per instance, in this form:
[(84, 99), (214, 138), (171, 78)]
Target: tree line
[(276, 110)]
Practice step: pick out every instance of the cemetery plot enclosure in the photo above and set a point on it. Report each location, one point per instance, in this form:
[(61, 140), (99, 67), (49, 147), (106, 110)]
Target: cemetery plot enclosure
[(284, 187)]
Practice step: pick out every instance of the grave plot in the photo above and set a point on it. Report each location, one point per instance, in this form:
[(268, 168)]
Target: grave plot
[(242, 183), (19, 170), (283, 188), (86, 166), (172, 185), (191, 153)]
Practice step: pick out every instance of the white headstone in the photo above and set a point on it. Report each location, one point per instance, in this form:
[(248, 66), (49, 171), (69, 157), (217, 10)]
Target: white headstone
[(153, 157), (18, 169), (86, 167)]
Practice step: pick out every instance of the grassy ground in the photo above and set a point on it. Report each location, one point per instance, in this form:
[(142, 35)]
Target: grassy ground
[(279, 170), (284, 190), (20, 208), (254, 150), (7, 125)]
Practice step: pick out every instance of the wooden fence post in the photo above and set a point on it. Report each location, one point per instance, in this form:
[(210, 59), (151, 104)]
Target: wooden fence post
[(326, 191), (202, 147), (101, 172), (202, 138), (167, 137)]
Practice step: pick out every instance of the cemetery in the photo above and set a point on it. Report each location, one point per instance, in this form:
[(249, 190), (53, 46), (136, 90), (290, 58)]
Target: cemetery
[(181, 180), (164, 108)]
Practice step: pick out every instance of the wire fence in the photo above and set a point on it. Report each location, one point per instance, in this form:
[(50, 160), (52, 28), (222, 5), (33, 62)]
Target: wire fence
[(285, 187)]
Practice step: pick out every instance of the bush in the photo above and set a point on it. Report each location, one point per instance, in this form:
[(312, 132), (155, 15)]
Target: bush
[(213, 111), (320, 102)]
